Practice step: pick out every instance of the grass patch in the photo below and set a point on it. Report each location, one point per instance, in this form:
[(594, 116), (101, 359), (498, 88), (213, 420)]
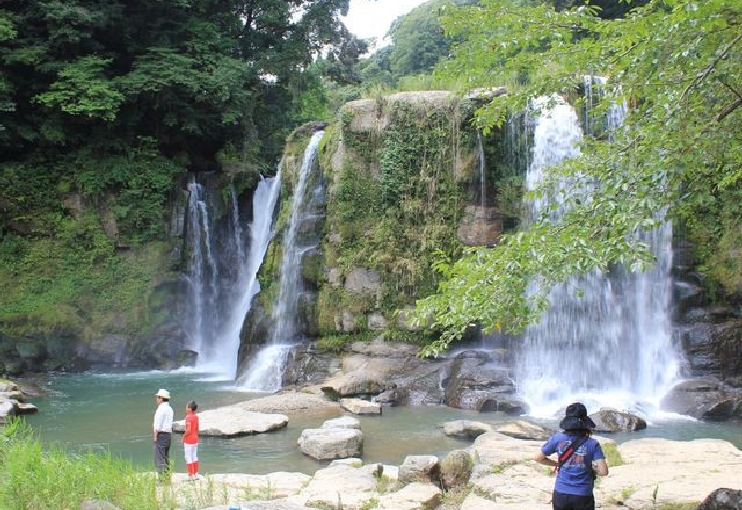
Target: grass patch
[(33, 477), (612, 455)]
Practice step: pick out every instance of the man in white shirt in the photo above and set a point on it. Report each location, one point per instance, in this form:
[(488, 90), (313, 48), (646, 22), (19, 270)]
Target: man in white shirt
[(161, 432)]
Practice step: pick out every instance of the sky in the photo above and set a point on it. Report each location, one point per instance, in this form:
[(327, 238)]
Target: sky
[(372, 18)]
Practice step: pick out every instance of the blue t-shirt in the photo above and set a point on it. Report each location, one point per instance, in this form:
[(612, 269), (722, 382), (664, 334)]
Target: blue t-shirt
[(576, 475)]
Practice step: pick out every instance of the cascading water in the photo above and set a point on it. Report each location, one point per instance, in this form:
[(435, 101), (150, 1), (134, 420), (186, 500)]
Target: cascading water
[(247, 286), (219, 301), (612, 346), (265, 370), (203, 275), (481, 159)]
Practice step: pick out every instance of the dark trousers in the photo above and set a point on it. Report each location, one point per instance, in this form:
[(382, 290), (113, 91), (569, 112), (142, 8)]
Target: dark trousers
[(162, 452), (561, 501)]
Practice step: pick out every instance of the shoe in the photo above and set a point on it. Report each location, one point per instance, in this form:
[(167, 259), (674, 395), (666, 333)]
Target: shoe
[(197, 477)]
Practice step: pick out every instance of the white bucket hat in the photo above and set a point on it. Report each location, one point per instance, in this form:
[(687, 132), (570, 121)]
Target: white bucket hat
[(163, 393)]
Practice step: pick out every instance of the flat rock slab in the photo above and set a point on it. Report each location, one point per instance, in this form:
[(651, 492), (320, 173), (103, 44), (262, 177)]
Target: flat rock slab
[(291, 403), (233, 421)]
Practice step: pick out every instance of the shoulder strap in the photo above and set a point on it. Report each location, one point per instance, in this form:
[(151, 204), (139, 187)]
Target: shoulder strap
[(567, 453)]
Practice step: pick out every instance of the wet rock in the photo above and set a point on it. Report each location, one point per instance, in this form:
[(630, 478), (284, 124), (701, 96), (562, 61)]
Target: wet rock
[(420, 468), (359, 406), (456, 469), (722, 499), (466, 429), (693, 398), (234, 421), (331, 443), (521, 429), (611, 420), (477, 382)]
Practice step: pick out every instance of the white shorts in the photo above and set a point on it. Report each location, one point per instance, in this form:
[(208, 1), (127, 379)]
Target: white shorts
[(191, 452)]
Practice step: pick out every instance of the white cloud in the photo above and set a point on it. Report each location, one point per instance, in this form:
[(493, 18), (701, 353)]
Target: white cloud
[(372, 18)]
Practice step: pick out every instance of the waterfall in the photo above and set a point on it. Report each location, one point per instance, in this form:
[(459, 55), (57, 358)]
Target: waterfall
[(202, 279), (482, 167), (222, 356), (223, 268), (611, 346), (264, 371)]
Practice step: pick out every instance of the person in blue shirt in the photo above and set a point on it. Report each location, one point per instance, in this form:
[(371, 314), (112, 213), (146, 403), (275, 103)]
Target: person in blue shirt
[(573, 489)]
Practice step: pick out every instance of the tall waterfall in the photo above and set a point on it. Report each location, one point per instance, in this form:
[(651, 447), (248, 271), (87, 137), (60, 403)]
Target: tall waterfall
[(219, 302), (265, 370), (612, 346)]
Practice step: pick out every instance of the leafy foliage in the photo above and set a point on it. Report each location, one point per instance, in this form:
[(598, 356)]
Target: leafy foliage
[(105, 104), (676, 64)]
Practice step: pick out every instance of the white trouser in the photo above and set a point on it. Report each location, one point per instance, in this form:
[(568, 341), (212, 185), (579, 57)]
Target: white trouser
[(191, 452)]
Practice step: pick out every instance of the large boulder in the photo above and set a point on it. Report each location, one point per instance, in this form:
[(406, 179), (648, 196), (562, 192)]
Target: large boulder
[(331, 443), (480, 381), (694, 398), (611, 420), (466, 429), (722, 499), (456, 469), (420, 468)]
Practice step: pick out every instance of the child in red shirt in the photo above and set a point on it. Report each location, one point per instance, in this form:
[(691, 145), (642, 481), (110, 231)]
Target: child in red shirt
[(190, 440)]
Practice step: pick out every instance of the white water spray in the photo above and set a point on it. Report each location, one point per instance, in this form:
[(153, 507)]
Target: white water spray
[(612, 346)]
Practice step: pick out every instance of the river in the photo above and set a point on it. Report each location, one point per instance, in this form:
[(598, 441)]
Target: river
[(114, 411)]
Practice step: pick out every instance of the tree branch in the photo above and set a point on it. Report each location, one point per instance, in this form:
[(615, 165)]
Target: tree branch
[(703, 75), (730, 107)]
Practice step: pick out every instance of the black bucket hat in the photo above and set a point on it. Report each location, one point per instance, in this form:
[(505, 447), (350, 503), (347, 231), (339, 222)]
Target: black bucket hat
[(576, 418)]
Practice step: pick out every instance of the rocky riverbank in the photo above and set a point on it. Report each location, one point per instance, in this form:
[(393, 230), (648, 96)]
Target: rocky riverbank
[(495, 471)]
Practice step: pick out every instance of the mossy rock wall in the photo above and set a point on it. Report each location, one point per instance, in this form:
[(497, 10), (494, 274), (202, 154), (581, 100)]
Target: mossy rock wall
[(400, 168)]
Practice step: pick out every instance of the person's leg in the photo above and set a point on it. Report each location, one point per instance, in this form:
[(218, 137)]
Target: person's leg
[(167, 452), (187, 457), (582, 502), (190, 458), (166, 440), (560, 501), (160, 456), (195, 460)]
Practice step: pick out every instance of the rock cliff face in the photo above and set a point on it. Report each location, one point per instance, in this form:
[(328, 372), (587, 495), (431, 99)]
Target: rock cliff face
[(404, 177)]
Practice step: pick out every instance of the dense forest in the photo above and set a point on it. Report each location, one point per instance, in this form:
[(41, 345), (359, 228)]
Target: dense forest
[(107, 104)]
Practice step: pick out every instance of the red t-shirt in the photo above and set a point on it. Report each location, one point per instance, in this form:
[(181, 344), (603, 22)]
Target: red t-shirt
[(191, 435)]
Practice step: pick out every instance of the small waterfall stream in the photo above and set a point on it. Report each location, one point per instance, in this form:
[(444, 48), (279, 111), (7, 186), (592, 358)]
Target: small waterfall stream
[(482, 162), (611, 346), (203, 276), (265, 370)]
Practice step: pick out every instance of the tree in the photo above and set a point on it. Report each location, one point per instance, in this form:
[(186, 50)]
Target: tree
[(418, 39), (678, 65)]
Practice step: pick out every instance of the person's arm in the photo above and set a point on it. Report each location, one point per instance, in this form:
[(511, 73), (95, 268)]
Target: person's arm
[(156, 423), (600, 466), (544, 460)]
